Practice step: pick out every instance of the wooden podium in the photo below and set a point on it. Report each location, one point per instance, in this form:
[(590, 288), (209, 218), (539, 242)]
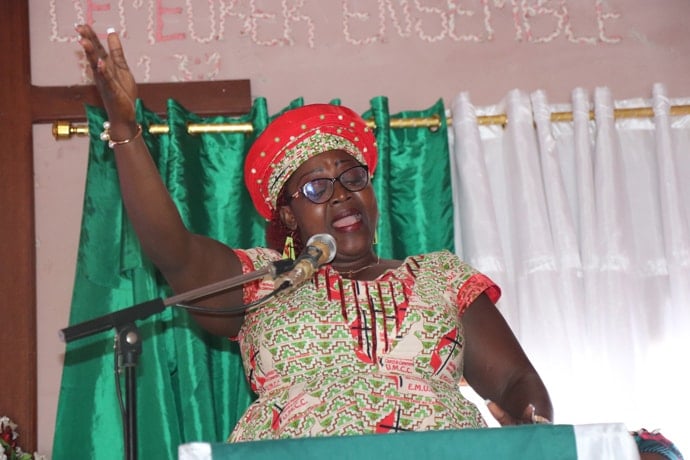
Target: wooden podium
[(529, 442)]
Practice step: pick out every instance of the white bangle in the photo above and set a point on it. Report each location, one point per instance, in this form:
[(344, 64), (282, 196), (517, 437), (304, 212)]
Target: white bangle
[(105, 135), (540, 419)]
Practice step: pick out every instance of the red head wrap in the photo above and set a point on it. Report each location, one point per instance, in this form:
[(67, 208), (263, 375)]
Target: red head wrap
[(293, 138)]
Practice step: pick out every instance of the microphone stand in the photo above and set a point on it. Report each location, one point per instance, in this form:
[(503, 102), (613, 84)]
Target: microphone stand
[(128, 340)]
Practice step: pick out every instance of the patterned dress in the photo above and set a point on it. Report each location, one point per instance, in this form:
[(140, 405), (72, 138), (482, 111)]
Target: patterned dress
[(342, 357)]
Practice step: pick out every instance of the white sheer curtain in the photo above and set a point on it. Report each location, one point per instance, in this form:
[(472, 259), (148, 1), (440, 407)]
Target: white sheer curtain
[(585, 226)]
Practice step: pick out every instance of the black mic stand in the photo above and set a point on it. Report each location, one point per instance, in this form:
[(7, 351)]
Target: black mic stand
[(128, 346), (128, 340)]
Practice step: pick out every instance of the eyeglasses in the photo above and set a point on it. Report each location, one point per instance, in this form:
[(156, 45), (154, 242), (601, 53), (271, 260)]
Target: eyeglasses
[(321, 190)]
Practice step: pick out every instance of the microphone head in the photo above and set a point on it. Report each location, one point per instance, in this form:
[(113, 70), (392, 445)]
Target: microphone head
[(326, 243)]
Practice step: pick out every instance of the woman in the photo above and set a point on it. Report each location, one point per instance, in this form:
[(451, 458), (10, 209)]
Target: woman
[(368, 345)]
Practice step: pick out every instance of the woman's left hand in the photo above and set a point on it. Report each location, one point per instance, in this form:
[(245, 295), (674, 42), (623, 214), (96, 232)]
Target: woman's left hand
[(529, 415)]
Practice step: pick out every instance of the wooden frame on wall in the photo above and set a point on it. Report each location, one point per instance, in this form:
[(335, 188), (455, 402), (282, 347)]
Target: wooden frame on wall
[(17, 233)]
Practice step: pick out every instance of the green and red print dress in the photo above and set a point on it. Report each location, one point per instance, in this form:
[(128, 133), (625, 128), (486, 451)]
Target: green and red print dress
[(341, 357)]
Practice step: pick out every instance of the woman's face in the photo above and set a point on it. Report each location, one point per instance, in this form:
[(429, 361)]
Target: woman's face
[(350, 217)]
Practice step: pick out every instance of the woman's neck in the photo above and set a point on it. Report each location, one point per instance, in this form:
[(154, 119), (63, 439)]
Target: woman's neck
[(367, 270)]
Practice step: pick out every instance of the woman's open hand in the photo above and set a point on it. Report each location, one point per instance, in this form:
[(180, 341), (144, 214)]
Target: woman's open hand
[(113, 78)]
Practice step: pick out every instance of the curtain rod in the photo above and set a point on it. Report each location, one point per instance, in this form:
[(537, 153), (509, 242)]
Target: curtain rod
[(66, 129)]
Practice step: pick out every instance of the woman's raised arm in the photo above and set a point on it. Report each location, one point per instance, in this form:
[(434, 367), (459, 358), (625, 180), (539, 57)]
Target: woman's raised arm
[(186, 260)]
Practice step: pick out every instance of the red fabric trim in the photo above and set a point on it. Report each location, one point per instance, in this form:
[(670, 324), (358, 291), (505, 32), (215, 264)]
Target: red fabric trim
[(475, 286), (250, 290)]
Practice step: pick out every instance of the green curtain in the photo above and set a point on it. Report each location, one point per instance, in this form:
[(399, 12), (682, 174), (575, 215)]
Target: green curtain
[(412, 183), (190, 385)]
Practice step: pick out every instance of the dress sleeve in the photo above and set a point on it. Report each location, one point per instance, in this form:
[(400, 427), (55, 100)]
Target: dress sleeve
[(466, 283), (255, 259)]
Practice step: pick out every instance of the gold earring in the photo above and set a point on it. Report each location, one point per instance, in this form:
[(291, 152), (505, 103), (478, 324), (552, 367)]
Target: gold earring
[(289, 248), (376, 236)]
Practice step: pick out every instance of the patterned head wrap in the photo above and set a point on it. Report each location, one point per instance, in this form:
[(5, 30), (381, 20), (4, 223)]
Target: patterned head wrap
[(296, 136)]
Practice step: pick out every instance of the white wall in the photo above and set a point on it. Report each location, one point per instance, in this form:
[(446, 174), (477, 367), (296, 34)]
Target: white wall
[(321, 51)]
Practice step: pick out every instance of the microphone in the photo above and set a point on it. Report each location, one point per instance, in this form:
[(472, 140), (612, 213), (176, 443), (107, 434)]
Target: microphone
[(320, 250)]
